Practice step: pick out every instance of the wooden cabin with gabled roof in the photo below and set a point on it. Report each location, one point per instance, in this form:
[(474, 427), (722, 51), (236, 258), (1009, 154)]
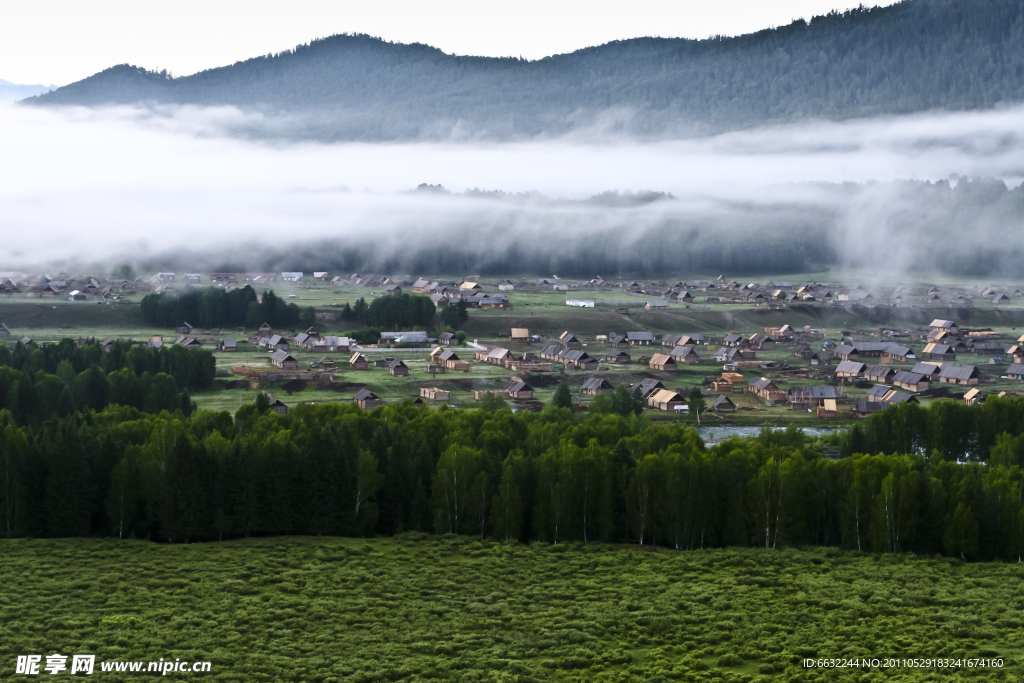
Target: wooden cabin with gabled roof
[(367, 400), (662, 361)]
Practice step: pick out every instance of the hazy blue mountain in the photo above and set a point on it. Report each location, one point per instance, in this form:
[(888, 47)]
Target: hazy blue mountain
[(913, 56), (12, 92)]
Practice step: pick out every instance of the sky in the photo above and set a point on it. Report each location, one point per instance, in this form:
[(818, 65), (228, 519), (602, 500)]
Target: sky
[(62, 41)]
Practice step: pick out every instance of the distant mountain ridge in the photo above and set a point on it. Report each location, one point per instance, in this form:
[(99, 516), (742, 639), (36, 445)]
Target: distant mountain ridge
[(11, 92), (913, 56)]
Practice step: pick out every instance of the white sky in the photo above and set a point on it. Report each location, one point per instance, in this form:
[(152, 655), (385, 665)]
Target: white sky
[(61, 41)]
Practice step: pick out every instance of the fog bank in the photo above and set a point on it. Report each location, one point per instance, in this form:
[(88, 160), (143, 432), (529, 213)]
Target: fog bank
[(174, 186)]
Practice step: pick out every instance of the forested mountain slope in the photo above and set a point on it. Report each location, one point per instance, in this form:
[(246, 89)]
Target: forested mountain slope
[(913, 56)]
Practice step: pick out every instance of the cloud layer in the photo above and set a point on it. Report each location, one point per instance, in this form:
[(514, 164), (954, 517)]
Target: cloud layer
[(82, 186)]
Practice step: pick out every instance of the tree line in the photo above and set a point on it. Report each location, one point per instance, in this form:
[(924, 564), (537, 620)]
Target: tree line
[(59, 380), (554, 476), (394, 312), (214, 307)]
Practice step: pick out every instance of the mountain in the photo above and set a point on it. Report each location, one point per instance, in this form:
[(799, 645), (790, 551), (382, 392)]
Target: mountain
[(12, 92), (912, 56)]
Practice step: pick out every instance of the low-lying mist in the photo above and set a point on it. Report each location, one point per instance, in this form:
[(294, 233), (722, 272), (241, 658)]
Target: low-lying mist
[(174, 189)]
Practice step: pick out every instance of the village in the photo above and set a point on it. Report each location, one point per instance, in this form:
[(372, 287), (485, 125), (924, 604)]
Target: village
[(770, 351)]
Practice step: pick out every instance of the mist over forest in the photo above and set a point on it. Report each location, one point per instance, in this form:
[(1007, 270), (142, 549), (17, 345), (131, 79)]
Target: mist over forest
[(916, 55), (885, 138)]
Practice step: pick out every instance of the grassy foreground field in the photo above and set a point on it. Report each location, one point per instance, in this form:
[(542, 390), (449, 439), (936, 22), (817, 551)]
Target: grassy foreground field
[(457, 609)]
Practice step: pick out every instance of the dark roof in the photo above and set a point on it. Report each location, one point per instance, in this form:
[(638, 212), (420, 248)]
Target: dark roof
[(639, 336), (671, 338), (897, 350), (850, 366), (816, 391), (649, 385), (760, 383), (927, 369), (955, 371), (281, 356), (518, 385), (879, 390), (1015, 369), (900, 397), (446, 335), (879, 371), (871, 406), (844, 350), (596, 383), (904, 377), (364, 394), (721, 400), (396, 363), (729, 338)]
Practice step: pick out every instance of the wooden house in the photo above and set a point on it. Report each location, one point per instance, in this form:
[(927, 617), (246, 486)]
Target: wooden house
[(911, 380), (662, 361), (284, 360), (569, 340), (648, 387), (723, 404), (659, 305), (1001, 299), (519, 389), (265, 331), (684, 297), (519, 334), (974, 397), (761, 342), (421, 285), (367, 400), (618, 357), (735, 340), (640, 338), (805, 397), (898, 352), (398, 369), (358, 361), (847, 352), (593, 386), (665, 399), (481, 394), (766, 389), (436, 369), (4, 330), (867, 408), (447, 339), (685, 354), (952, 373), (275, 405), (1015, 371), (227, 345), (949, 326), (435, 394), (393, 290), (879, 373), (190, 343), (935, 351), (184, 329), (850, 368), (107, 345)]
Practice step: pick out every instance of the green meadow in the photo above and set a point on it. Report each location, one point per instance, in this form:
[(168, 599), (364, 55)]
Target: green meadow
[(418, 608)]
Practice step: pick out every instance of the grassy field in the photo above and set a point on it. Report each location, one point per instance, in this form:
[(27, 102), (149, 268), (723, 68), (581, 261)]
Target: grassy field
[(457, 609)]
